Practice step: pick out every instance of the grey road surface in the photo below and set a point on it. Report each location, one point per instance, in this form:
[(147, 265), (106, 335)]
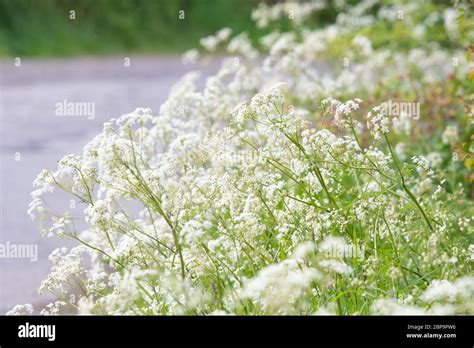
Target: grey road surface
[(33, 137)]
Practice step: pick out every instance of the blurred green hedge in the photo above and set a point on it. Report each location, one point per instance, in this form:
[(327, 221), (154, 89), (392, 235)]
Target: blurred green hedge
[(43, 28)]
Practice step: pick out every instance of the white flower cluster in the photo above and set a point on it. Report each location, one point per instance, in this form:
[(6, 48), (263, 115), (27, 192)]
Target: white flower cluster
[(292, 10), (378, 122), (210, 43)]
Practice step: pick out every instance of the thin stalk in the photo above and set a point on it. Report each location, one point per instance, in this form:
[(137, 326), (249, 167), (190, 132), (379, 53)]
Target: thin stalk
[(404, 186)]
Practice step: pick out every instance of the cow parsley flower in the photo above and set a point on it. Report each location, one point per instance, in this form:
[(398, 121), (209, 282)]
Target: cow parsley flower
[(26, 309), (440, 290), (378, 122)]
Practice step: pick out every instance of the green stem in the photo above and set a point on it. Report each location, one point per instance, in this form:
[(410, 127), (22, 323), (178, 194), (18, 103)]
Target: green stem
[(404, 186)]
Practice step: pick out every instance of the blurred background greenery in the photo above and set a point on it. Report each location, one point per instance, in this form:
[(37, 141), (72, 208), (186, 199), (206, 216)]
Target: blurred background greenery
[(43, 28)]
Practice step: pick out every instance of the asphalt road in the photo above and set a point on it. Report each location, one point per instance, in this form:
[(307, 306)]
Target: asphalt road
[(33, 137)]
